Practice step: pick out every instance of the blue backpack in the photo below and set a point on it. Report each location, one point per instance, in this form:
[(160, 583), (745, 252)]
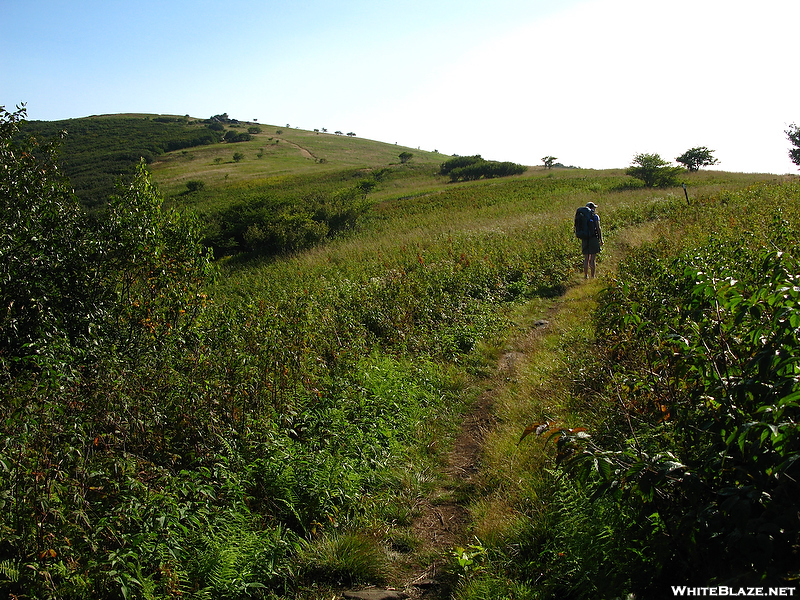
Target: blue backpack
[(585, 223)]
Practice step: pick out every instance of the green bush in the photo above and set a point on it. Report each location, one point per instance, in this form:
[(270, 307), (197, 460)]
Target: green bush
[(702, 350), (470, 168)]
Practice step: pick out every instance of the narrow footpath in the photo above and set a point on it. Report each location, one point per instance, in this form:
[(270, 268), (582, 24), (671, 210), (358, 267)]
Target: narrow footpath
[(445, 521)]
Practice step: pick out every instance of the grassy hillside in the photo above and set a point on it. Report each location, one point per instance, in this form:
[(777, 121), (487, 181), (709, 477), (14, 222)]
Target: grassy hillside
[(97, 150), (270, 426), (271, 155)]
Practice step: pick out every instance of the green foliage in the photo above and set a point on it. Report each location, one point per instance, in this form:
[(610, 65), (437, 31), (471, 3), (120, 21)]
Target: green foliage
[(653, 170), (702, 351), (405, 157), (233, 137), (195, 185), (154, 265), (695, 158), (97, 150), (272, 225), (237, 557), (47, 282), (471, 168), (549, 161), (793, 133)]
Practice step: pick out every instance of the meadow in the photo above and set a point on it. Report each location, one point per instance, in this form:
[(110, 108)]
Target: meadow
[(266, 424)]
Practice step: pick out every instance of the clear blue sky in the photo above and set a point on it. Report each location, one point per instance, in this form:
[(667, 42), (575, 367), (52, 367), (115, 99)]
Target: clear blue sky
[(592, 82)]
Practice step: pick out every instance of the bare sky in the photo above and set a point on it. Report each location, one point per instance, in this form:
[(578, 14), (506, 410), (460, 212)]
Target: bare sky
[(592, 82)]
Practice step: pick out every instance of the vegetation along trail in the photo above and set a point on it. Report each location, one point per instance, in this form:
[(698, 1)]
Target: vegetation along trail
[(251, 375), (464, 500)]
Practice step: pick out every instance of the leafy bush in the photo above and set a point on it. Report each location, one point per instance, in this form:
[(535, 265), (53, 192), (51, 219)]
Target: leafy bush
[(702, 351), (268, 225), (470, 168), (195, 185), (233, 137)]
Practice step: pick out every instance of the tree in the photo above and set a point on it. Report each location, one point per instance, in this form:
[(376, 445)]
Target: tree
[(73, 287), (405, 157), (46, 281), (653, 170), (549, 161), (697, 157), (238, 156), (471, 168), (793, 133)]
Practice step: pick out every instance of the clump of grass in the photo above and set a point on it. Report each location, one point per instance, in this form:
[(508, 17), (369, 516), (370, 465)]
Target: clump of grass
[(345, 558)]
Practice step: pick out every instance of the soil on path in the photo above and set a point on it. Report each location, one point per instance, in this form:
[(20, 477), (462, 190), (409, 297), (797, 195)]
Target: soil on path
[(444, 520)]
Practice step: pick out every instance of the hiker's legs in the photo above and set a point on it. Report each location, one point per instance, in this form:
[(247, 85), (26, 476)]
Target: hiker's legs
[(589, 265)]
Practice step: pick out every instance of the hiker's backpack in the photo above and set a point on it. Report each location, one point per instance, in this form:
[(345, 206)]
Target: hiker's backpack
[(583, 223)]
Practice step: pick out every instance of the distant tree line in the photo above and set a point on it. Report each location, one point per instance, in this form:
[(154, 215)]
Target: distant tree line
[(471, 168)]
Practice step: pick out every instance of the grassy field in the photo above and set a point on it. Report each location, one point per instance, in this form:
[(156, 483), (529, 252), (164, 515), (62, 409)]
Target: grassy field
[(270, 155), (278, 430)]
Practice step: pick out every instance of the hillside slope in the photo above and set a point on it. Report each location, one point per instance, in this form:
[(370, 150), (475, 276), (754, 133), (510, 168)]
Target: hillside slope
[(97, 150)]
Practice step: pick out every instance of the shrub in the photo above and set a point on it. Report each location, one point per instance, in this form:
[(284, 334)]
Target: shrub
[(704, 352), (195, 185), (653, 171), (470, 168)]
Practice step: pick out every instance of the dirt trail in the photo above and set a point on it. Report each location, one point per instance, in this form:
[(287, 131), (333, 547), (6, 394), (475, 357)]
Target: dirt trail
[(303, 152), (444, 521)]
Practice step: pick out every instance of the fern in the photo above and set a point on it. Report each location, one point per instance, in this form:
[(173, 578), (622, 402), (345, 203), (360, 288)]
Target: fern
[(9, 570)]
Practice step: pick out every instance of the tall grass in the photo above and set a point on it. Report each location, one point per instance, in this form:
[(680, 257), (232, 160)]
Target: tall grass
[(632, 529)]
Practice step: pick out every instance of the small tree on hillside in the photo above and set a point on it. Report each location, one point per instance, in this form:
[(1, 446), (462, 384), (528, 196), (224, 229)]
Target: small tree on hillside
[(793, 133), (405, 157), (653, 170), (549, 161), (697, 157)]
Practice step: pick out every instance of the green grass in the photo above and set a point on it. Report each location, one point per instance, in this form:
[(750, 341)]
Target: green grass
[(293, 152)]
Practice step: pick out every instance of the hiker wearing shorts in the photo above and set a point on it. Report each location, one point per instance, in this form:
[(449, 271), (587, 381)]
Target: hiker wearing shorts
[(591, 245)]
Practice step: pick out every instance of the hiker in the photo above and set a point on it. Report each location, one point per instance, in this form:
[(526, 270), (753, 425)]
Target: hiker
[(587, 228)]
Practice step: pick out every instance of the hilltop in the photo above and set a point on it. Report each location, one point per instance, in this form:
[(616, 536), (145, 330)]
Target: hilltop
[(96, 150)]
